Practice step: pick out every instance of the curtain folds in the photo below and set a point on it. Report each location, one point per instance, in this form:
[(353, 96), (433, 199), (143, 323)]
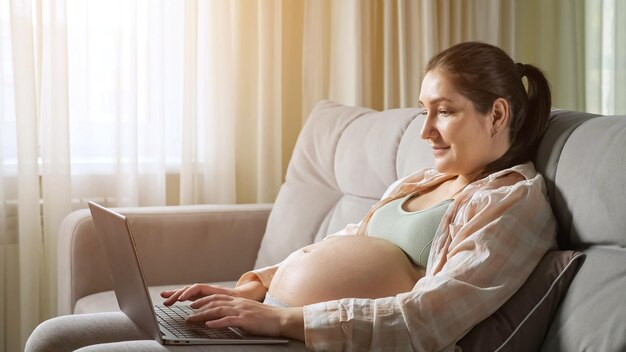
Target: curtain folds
[(605, 56), (155, 102), (372, 53), (28, 272)]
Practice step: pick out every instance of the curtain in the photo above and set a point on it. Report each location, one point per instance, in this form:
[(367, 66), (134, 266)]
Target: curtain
[(155, 102), (236, 94), (581, 46), (372, 52), (133, 103), (550, 35), (605, 56)]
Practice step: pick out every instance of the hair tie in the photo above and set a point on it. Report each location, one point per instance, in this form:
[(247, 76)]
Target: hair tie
[(521, 69)]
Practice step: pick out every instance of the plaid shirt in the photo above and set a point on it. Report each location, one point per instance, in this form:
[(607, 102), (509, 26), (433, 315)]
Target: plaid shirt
[(489, 241)]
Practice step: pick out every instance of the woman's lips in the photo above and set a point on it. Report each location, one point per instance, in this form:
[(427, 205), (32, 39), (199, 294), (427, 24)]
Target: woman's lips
[(438, 151)]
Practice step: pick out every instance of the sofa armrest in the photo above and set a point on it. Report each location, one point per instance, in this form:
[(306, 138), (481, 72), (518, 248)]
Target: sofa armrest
[(176, 245)]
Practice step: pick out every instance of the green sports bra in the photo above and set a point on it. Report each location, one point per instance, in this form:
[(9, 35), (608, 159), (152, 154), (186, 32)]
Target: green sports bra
[(412, 231)]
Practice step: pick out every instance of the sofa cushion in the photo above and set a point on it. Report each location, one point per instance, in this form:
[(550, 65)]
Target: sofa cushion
[(560, 126), (589, 192), (591, 316), (343, 161), (522, 322), (590, 184)]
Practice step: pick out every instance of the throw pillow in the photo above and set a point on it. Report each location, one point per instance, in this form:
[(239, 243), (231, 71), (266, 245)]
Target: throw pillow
[(522, 322)]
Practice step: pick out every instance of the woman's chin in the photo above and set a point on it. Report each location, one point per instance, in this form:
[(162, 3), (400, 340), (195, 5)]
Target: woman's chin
[(443, 166)]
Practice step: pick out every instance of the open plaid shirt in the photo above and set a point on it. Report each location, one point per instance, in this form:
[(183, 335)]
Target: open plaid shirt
[(489, 241)]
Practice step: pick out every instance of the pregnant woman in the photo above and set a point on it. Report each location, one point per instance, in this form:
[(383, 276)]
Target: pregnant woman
[(442, 250)]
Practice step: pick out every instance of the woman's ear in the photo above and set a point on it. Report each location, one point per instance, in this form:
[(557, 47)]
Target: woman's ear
[(500, 115)]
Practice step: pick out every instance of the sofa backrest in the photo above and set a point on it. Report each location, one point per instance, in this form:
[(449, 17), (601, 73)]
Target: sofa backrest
[(587, 181), (343, 161)]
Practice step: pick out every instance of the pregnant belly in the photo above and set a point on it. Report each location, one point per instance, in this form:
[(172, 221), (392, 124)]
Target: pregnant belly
[(342, 267)]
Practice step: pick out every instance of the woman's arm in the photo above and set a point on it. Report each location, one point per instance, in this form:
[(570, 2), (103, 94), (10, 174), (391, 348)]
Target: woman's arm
[(221, 307), (263, 275)]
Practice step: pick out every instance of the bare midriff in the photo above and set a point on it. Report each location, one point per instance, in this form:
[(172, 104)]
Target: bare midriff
[(344, 267)]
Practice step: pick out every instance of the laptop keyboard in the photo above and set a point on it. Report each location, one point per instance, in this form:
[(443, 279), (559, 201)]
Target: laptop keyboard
[(173, 318)]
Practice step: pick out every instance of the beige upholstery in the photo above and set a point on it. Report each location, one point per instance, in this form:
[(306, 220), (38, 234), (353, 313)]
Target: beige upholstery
[(344, 159), (176, 245)]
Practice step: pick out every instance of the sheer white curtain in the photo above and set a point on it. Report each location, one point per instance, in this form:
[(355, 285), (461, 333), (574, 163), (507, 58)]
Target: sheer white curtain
[(605, 56), (233, 100), (372, 52), (581, 45), (102, 100), (111, 100), (80, 122), (27, 263)]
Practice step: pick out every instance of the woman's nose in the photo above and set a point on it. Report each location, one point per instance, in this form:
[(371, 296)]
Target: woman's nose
[(428, 129)]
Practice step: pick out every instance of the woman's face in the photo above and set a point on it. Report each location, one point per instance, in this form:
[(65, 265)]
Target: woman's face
[(462, 139)]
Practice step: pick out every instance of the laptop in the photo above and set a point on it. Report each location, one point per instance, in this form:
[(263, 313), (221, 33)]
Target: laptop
[(164, 324)]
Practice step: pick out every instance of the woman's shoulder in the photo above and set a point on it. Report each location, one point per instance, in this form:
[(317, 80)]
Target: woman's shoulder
[(519, 176), (506, 180), (515, 182), (520, 189), (522, 177), (518, 183)]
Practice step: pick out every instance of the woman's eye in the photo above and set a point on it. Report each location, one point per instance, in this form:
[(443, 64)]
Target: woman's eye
[(423, 112), (444, 112)]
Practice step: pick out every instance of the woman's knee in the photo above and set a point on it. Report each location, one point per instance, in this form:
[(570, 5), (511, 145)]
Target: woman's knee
[(70, 332), (53, 335)]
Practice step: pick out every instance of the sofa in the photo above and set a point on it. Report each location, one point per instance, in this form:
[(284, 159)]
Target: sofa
[(344, 159)]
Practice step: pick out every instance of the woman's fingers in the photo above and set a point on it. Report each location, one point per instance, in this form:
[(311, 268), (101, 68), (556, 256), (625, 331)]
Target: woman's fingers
[(173, 295), (256, 318), (195, 292), (187, 293), (216, 312), (209, 301), (169, 293), (220, 311)]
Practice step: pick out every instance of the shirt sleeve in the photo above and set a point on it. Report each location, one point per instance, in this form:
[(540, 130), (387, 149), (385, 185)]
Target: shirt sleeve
[(264, 275), (474, 268)]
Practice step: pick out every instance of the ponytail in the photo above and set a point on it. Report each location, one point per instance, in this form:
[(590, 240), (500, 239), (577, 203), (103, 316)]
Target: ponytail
[(539, 105), (528, 121)]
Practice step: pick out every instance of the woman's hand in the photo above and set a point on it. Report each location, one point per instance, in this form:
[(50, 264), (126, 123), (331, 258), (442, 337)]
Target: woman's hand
[(194, 292), (253, 290), (223, 310)]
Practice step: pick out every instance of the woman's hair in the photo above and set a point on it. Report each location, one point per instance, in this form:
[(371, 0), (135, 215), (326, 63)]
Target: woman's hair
[(482, 73)]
